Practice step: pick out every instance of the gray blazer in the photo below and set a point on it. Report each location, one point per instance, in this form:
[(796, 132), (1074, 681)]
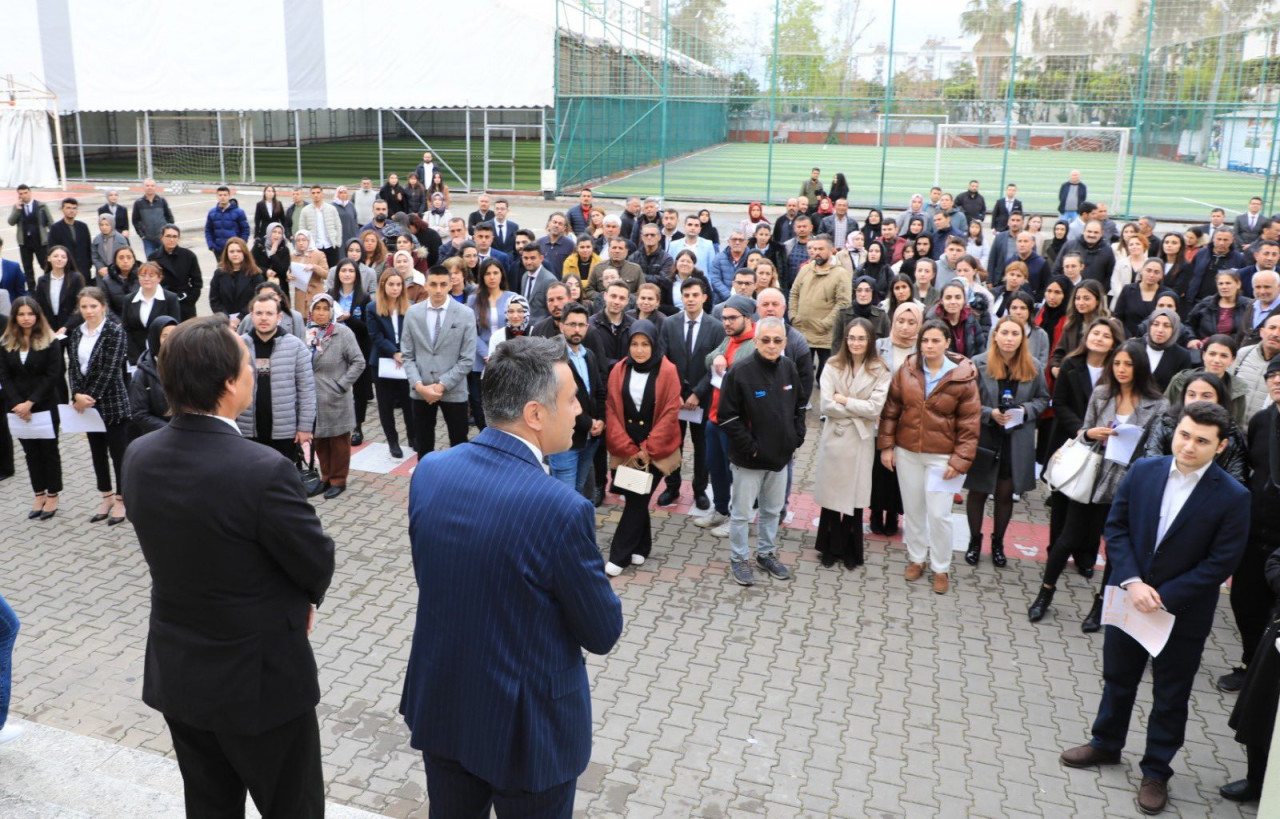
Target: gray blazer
[(452, 356), (1101, 413), (336, 368), (538, 298), (1033, 397)]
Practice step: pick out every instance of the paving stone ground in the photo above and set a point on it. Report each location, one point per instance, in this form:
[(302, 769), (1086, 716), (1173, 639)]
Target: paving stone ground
[(838, 693)]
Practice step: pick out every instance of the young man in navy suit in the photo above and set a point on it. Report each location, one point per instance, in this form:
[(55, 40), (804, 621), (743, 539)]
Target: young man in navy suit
[(511, 591), (1176, 531)]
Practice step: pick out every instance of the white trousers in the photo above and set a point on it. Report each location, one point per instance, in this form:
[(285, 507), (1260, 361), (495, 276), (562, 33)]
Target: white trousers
[(926, 516)]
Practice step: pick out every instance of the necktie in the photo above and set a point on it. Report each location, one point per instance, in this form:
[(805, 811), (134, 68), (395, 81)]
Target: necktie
[(528, 287), (502, 233), (688, 336), (435, 330)]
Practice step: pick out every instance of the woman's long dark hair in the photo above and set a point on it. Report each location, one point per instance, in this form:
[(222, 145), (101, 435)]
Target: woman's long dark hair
[(1220, 389), (482, 294), (1144, 383)]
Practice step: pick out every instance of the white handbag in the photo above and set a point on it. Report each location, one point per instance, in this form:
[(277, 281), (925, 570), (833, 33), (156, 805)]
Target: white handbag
[(639, 481), (1073, 470)]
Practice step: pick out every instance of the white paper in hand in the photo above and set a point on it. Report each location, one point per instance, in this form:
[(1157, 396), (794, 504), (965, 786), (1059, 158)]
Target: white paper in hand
[(40, 427), (717, 379), (298, 275), (1121, 445), (387, 368), (74, 422), (1016, 416), (1151, 629), (693, 416), (936, 483)]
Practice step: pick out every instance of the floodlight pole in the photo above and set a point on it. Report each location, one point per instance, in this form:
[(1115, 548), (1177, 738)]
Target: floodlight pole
[(888, 96), (1142, 106), (80, 146), (773, 106), (1008, 97), (297, 142), (666, 67), (1269, 189)]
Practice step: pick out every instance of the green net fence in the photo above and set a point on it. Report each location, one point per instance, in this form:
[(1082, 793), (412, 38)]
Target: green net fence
[(1165, 107)]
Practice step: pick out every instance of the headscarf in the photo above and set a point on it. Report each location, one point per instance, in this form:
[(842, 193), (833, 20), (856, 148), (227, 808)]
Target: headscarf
[(645, 328), (863, 310), (916, 219), (911, 307), (1055, 244), (284, 238), (1050, 316), (318, 335), (1173, 337), (875, 270), (440, 210), (307, 233), (518, 301), (153, 333), (872, 232), (757, 208)]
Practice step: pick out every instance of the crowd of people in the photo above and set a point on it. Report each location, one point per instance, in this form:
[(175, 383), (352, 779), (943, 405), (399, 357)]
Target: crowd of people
[(953, 353)]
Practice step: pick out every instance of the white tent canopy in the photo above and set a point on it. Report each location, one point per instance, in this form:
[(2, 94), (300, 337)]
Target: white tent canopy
[(246, 55)]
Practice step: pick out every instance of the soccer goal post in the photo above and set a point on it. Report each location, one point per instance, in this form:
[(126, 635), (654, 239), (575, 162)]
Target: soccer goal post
[(195, 148), (894, 129), (1096, 151)]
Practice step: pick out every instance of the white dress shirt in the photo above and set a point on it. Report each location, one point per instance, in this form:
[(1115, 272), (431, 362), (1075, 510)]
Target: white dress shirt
[(84, 351), (537, 453), (1177, 489), (148, 304)]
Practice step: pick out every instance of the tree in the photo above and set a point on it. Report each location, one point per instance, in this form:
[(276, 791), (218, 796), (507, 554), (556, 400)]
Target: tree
[(699, 28), (744, 91), (803, 67), (990, 21)]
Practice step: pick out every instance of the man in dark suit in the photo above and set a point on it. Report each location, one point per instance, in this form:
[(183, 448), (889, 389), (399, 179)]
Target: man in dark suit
[(1002, 247), (482, 213), (504, 230), (74, 236), (1249, 224), (688, 337), (228, 662), (574, 464), (1176, 531), (533, 280), (12, 279), (483, 237), (1004, 207), (499, 702), (31, 218)]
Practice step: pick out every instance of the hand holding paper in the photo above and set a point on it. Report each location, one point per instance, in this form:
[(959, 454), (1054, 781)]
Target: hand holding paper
[(74, 421), (937, 483), (1122, 443), (1151, 629), (1015, 417), (39, 427)]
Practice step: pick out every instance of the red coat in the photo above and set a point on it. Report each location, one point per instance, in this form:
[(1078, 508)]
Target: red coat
[(663, 441)]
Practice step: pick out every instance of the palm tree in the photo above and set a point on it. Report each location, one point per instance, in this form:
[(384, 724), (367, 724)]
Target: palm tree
[(991, 21)]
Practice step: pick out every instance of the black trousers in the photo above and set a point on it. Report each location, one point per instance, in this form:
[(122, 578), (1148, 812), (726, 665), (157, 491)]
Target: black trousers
[(187, 307), (1251, 597), (29, 253), (331, 256), (285, 446), (697, 432), (44, 464), (280, 769), (820, 355), (392, 393), (455, 793), (634, 535), (474, 398), (424, 424), (1081, 535), (107, 449), (1172, 675)]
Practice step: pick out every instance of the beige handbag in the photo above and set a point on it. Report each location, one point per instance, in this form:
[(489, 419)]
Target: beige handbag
[(632, 479)]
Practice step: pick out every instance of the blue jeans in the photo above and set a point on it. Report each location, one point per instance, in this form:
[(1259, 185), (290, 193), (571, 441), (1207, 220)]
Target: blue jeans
[(718, 466), (1068, 216), (149, 247), (571, 466), (8, 633)]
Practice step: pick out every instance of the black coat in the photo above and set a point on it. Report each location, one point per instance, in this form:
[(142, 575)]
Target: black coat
[(66, 313), (181, 273), (104, 379), (229, 293), (136, 330), (76, 239), (692, 369), (227, 648), (122, 216), (1175, 360), (148, 408), (1203, 320), (263, 217), (1071, 392), (591, 400), (40, 380)]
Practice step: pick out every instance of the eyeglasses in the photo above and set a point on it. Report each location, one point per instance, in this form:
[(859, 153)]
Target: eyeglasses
[(725, 317)]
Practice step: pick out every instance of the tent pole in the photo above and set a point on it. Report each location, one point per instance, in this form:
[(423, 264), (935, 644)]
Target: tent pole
[(222, 159), (80, 145), (470, 186), (297, 142), (382, 171), (62, 153)]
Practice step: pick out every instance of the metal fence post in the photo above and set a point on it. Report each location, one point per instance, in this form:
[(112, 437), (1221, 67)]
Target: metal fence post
[(666, 66), (297, 142), (773, 104), (888, 97), (80, 146), (382, 171), (1008, 97), (467, 126), (222, 159), (1142, 102)]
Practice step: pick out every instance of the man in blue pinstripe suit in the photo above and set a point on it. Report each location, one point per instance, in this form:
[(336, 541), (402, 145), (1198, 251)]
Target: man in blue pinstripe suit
[(511, 589)]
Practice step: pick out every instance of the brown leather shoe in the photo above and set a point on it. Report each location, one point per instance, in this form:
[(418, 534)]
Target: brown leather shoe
[(1153, 795), (1086, 756), (914, 571), (941, 582)]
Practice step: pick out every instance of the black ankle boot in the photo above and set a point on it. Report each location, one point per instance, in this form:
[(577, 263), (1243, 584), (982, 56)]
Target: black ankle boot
[(974, 551), (890, 524), (997, 554), (877, 522), (1093, 622), (1041, 605), (828, 559)]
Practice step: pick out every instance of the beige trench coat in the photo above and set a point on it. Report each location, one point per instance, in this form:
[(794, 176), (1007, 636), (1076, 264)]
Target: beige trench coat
[(847, 448)]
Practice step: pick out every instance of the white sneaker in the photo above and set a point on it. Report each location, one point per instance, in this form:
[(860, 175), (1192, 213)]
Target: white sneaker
[(711, 520), (10, 732), (612, 569), (637, 560), (722, 530)]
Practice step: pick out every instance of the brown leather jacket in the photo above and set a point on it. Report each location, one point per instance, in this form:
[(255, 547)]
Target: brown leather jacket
[(947, 422)]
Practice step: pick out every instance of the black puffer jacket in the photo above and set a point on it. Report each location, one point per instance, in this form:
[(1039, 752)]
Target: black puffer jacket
[(148, 408), (1234, 459), (762, 412)]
